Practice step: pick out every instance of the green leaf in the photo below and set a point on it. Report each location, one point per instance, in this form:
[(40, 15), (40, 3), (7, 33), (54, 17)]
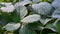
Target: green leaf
[(46, 31), (6, 4), (4, 19), (31, 18), (22, 11), (35, 26), (52, 27), (57, 24), (12, 26), (56, 4), (56, 13), (26, 30), (15, 17), (7, 8), (42, 8), (25, 2), (44, 20)]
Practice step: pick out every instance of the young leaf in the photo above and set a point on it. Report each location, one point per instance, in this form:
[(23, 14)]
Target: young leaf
[(45, 20), (6, 4), (56, 4), (52, 27), (22, 10), (25, 2), (42, 8), (56, 13), (31, 18), (8, 8), (12, 26)]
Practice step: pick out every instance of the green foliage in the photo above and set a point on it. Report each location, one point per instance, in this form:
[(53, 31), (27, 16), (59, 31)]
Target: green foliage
[(29, 17), (1, 0)]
